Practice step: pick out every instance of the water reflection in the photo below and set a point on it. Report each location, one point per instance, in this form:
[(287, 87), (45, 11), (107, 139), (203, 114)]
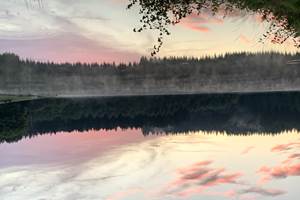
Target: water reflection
[(270, 113), (77, 146), (195, 148), (126, 165), (288, 167)]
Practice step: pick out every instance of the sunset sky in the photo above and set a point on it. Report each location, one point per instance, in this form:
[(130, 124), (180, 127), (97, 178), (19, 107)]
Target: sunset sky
[(101, 30)]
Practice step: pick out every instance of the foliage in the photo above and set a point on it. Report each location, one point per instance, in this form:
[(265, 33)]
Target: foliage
[(13, 122), (158, 15)]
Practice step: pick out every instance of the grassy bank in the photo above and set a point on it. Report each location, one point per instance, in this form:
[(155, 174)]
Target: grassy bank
[(15, 98)]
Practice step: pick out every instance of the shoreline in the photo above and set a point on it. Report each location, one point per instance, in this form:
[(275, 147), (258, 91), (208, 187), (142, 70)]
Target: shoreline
[(6, 99), (13, 98)]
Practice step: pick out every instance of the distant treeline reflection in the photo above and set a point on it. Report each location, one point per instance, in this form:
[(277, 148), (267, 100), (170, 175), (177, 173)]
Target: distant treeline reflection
[(234, 113)]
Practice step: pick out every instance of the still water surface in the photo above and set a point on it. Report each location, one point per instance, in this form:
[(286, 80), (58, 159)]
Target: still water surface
[(125, 164)]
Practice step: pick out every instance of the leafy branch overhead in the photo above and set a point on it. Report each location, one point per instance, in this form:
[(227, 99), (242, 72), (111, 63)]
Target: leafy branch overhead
[(284, 16)]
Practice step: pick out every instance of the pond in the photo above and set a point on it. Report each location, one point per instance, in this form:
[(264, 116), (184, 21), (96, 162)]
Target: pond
[(156, 147)]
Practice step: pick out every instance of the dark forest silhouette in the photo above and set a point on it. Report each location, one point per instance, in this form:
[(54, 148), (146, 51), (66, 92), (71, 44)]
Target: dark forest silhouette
[(237, 114), (12, 61)]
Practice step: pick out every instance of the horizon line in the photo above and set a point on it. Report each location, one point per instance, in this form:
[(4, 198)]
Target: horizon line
[(155, 58)]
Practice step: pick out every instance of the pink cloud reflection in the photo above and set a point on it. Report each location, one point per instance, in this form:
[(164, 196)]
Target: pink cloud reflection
[(196, 178), (247, 150), (288, 167), (280, 171), (73, 146), (285, 147)]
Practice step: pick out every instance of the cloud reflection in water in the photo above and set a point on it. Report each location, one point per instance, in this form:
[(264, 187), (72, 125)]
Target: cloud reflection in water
[(190, 166)]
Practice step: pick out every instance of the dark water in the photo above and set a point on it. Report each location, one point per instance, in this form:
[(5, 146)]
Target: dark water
[(222, 146)]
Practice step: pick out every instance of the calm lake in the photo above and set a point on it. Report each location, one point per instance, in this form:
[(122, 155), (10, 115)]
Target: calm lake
[(176, 100), (225, 146)]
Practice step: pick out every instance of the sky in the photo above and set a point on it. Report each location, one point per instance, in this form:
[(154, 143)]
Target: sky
[(102, 31)]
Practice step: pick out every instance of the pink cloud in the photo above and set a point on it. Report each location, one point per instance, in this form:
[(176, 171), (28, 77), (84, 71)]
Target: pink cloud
[(244, 193), (196, 178), (247, 150), (199, 22), (295, 155), (279, 172), (201, 177), (197, 28), (285, 147), (284, 171), (262, 191), (244, 39), (291, 158)]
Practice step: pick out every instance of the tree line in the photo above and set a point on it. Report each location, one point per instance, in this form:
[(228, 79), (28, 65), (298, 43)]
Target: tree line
[(152, 75)]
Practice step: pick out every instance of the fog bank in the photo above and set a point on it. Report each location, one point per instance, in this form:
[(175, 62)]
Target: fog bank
[(262, 72)]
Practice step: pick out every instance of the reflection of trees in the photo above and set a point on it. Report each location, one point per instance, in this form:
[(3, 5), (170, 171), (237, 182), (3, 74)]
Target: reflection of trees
[(235, 113), (13, 122), (158, 15)]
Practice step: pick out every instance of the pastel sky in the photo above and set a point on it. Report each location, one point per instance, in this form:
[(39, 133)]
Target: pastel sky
[(101, 30)]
